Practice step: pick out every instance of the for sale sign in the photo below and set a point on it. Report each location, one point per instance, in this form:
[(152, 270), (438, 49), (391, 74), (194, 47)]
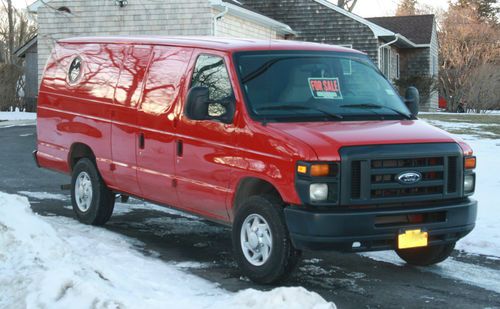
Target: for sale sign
[(325, 88)]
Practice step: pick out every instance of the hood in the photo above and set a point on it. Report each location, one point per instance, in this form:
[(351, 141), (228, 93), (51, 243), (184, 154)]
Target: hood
[(326, 138)]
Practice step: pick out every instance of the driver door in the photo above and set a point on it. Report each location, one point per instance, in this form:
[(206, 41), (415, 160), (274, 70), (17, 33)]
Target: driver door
[(205, 148)]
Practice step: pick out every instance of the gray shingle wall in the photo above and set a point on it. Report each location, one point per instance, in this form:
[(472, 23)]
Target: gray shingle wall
[(97, 17), (423, 62), (233, 26), (434, 67), (315, 22)]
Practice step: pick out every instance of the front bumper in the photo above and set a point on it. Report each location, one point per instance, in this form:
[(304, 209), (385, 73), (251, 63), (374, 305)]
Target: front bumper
[(340, 229)]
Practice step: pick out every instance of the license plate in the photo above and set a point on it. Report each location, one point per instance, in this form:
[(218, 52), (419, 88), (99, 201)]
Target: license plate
[(412, 239)]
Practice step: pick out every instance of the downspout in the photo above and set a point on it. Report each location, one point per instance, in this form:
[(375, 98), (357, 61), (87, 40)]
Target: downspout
[(385, 45), (217, 17)]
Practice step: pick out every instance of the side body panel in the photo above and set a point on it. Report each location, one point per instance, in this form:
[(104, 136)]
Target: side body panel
[(70, 113), (124, 131), (156, 120)]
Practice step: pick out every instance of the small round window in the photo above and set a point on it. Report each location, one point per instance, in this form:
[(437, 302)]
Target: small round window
[(75, 70)]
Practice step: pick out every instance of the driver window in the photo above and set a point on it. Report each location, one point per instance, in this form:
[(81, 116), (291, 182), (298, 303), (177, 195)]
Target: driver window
[(210, 71)]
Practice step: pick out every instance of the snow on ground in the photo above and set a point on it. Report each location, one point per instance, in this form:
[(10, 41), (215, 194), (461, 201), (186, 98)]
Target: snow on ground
[(485, 238), (17, 115), (135, 204), (52, 262), (44, 195)]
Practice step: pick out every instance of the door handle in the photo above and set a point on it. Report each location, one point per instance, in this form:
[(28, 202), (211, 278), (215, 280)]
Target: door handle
[(180, 148), (141, 140)]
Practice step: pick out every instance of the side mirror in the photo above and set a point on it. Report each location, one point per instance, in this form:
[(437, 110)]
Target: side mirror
[(199, 106), (412, 100), (197, 103)]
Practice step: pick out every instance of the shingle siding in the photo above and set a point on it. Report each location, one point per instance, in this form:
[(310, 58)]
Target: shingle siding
[(434, 67), (233, 26), (315, 22), (94, 17)]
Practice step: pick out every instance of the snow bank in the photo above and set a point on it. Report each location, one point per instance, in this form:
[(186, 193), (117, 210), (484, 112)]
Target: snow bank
[(17, 115), (54, 262)]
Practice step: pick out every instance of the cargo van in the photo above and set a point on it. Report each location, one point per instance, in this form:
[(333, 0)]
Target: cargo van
[(296, 146)]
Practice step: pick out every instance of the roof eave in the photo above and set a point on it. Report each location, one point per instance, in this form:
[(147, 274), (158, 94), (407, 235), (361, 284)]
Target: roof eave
[(33, 8), (411, 43), (281, 28), (21, 51), (376, 29)]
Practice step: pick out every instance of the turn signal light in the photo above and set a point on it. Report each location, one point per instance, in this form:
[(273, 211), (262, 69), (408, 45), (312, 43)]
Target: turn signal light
[(320, 170), (302, 169), (470, 163)]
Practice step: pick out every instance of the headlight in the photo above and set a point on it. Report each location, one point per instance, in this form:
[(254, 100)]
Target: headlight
[(318, 192), (469, 183)]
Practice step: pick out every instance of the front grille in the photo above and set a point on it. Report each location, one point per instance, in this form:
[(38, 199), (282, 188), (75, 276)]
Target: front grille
[(374, 173), (384, 174), (452, 174), (355, 179)]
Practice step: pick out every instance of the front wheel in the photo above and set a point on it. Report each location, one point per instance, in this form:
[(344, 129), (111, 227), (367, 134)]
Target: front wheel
[(426, 256), (261, 241), (92, 201)]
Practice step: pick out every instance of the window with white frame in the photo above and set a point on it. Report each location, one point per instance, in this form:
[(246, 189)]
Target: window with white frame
[(398, 67), (385, 61)]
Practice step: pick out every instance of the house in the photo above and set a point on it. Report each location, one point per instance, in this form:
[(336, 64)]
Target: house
[(398, 49), (404, 46), (29, 52)]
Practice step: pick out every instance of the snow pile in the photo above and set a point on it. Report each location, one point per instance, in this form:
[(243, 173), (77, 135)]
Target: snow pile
[(17, 115), (54, 262)]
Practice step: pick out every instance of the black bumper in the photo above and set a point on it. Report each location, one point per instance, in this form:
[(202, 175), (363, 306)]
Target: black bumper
[(338, 230), (35, 158)]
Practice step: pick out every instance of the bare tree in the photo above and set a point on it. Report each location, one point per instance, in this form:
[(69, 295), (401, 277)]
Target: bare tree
[(483, 92), (16, 27), (406, 7), (347, 4), (466, 44)]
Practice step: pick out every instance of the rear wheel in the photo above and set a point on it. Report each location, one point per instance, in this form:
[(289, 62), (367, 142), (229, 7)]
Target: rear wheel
[(92, 201), (426, 256), (261, 241)]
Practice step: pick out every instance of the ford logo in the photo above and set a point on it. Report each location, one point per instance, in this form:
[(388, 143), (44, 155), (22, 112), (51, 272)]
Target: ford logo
[(408, 178)]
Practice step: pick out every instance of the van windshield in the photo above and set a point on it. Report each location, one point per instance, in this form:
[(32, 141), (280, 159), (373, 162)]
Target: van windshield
[(316, 86)]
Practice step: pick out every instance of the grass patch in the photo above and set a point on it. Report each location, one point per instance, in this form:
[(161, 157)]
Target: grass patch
[(485, 126)]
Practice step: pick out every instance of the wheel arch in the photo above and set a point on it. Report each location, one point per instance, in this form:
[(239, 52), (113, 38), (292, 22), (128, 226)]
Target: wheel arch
[(250, 186), (79, 151)]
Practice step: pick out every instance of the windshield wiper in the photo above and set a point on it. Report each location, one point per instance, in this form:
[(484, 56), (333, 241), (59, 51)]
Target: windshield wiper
[(369, 105), (298, 107)]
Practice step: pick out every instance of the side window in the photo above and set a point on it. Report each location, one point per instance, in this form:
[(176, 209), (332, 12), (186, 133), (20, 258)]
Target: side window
[(75, 70), (210, 71)]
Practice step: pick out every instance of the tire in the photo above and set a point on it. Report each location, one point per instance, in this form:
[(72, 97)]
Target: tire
[(282, 257), (92, 201), (426, 256)]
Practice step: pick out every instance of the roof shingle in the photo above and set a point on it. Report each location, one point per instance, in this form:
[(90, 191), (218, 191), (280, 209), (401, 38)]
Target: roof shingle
[(417, 28)]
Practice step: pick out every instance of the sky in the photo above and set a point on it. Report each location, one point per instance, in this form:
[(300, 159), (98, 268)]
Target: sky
[(365, 8), (370, 8)]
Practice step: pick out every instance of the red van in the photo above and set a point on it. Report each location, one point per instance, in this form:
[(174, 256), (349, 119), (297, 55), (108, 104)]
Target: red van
[(296, 146)]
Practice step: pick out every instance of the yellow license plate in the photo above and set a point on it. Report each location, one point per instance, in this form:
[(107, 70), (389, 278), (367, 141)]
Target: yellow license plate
[(412, 239)]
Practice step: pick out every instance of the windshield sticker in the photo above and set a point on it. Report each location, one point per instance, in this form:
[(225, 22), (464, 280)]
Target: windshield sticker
[(325, 88)]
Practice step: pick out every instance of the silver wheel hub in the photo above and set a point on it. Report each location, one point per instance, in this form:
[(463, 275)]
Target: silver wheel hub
[(83, 191), (256, 239)]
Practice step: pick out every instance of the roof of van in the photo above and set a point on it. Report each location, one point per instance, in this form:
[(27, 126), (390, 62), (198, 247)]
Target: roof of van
[(216, 43)]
